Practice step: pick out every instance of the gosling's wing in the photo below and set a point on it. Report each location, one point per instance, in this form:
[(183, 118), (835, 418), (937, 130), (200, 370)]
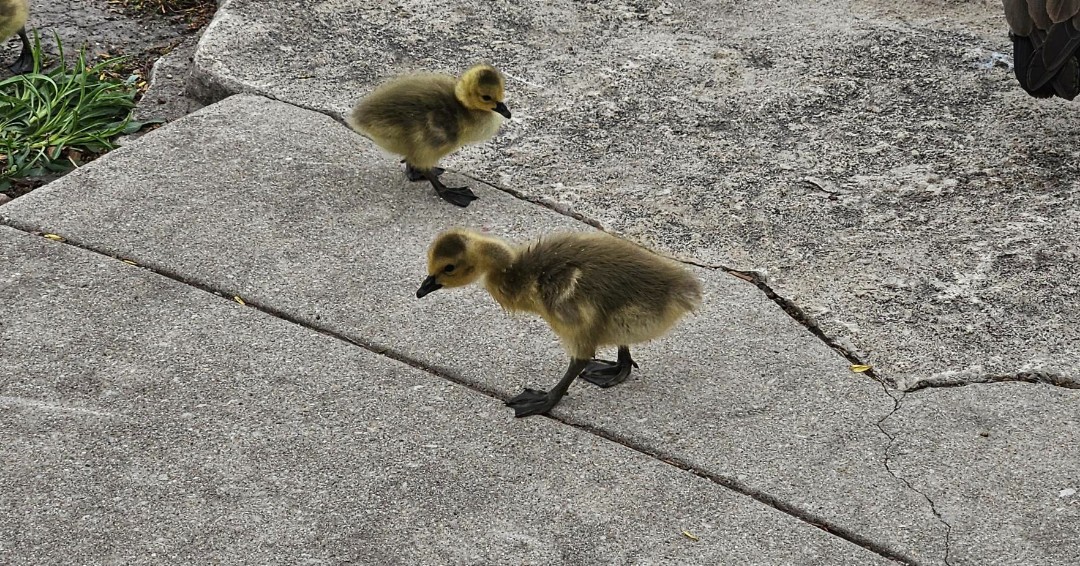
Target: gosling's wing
[(421, 108), (1046, 42), (611, 275), (649, 282), (558, 286)]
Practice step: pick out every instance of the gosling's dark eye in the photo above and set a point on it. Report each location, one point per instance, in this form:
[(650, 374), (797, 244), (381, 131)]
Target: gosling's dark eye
[(448, 269), (486, 98)]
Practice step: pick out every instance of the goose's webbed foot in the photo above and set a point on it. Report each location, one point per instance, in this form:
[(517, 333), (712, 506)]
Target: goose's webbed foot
[(604, 373), (536, 402), (460, 196), (532, 402)]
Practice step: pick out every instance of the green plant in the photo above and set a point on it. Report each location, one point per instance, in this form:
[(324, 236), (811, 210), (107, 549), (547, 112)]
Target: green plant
[(52, 121)]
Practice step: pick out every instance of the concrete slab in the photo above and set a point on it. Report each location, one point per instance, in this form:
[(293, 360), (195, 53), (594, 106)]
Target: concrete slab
[(294, 213), (145, 421), (875, 160), (165, 98), (1006, 447)]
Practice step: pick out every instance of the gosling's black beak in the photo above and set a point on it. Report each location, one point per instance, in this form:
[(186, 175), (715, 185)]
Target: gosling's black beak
[(427, 286), (502, 109)]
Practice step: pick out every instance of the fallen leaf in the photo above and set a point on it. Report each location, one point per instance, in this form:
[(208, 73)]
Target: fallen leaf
[(690, 535), (859, 368), (238, 299), (55, 237), (129, 262)]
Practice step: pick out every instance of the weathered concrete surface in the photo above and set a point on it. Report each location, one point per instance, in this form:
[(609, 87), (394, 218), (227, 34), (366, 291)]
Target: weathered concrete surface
[(876, 160), (145, 421), (970, 449), (166, 98), (292, 212)]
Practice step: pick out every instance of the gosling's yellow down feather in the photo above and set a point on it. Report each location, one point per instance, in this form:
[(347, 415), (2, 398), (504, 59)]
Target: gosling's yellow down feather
[(13, 15), (591, 288), (425, 117)]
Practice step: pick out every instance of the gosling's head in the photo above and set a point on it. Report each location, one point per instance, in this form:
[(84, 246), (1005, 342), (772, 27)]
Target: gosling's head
[(452, 262), (481, 88)]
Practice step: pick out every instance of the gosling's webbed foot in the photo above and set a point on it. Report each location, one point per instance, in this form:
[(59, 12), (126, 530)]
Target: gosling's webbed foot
[(531, 402), (605, 373), (413, 174), (461, 196)]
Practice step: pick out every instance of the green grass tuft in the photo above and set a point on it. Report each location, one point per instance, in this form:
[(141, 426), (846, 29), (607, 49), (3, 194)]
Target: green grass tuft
[(53, 121)]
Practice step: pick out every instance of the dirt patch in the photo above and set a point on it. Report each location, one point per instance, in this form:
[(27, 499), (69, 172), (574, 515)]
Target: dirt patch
[(141, 30)]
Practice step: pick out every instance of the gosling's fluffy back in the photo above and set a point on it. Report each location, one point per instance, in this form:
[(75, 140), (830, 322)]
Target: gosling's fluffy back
[(410, 111), (597, 290), (13, 14), (419, 116)]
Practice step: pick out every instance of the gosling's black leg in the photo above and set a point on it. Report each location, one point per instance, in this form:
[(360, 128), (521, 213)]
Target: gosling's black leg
[(605, 373), (25, 62), (460, 196), (414, 174), (534, 402)]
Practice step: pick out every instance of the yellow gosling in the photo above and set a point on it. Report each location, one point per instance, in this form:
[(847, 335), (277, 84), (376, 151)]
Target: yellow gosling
[(592, 289)]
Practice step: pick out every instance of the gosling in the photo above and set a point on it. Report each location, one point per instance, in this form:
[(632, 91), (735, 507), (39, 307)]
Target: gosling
[(1046, 38), (592, 289), (13, 14), (425, 117)]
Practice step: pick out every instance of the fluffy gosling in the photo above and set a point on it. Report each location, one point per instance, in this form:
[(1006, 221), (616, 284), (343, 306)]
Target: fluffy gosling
[(425, 117), (591, 288)]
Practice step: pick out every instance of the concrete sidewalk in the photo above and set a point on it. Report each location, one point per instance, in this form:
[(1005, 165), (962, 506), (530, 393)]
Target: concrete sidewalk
[(308, 222), (146, 416), (870, 159), (145, 421)]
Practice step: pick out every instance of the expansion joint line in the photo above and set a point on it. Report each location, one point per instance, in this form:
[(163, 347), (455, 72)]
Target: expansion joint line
[(897, 402), (449, 375)]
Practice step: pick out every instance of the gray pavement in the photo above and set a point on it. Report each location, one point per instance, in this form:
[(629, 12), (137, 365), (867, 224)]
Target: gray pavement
[(153, 422), (343, 420), (300, 217), (871, 161)]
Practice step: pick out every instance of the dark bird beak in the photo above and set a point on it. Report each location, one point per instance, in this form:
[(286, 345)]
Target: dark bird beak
[(427, 286), (502, 109)]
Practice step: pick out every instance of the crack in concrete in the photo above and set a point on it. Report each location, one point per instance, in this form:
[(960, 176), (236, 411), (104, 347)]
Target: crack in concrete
[(794, 311), (452, 376), (800, 316), (897, 402), (1044, 377), (545, 202)]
